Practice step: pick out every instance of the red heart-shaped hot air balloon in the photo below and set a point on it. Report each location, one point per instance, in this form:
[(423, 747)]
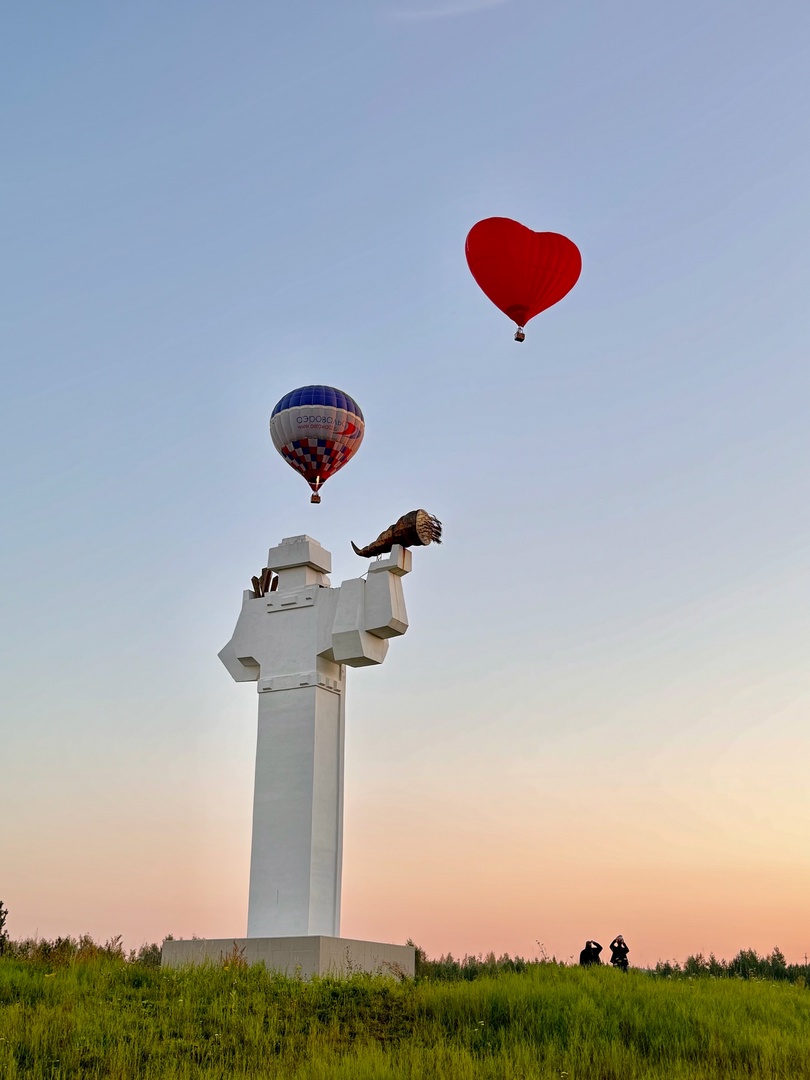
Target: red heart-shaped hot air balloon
[(521, 271)]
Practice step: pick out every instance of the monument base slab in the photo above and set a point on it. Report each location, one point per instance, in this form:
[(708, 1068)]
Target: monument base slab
[(300, 957)]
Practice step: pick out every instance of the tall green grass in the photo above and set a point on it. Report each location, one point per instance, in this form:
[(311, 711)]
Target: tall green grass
[(107, 1018)]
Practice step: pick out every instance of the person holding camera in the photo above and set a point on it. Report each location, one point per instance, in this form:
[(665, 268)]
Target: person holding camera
[(590, 954), (618, 952)]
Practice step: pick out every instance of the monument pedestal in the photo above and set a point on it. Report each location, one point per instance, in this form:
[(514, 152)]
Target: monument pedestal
[(300, 957)]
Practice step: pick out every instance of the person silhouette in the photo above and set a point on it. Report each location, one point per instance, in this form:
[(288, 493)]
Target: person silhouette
[(590, 954), (619, 950)]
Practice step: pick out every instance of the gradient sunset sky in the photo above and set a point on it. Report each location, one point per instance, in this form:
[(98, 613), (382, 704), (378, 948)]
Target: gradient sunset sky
[(599, 721)]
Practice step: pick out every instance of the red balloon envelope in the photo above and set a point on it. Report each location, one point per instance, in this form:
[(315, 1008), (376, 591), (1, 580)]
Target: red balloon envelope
[(522, 272)]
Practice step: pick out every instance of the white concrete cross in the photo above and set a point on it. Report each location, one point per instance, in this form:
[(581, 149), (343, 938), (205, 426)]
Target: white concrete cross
[(295, 643)]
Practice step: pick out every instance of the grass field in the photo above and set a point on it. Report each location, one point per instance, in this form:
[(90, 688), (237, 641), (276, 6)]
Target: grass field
[(104, 1017)]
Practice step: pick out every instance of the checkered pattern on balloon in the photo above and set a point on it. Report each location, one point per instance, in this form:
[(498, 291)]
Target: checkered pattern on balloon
[(316, 459)]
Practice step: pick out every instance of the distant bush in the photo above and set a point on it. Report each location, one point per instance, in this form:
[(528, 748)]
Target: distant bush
[(449, 969), (747, 964), (82, 950), (148, 955)]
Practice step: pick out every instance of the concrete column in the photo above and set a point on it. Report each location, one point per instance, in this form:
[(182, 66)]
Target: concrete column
[(296, 854)]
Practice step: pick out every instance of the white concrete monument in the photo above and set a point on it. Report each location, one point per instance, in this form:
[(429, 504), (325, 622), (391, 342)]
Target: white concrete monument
[(295, 637), (295, 642)]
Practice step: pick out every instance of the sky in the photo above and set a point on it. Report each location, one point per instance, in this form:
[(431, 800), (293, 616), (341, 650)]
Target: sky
[(598, 720)]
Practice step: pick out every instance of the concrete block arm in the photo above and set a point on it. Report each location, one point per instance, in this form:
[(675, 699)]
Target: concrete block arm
[(385, 612), (237, 656), (352, 644)]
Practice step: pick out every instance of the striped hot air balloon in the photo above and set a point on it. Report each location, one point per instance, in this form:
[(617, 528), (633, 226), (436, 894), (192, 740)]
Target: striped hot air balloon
[(317, 429)]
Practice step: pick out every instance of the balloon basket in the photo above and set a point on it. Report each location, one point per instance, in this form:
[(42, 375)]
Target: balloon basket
[(519, 335), (315, 498)]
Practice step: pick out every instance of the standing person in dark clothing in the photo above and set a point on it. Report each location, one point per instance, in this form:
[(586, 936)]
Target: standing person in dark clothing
[(590, 954), (618, 952)]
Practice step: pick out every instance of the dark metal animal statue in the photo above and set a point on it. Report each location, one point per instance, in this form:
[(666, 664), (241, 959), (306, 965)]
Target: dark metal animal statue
[(416, 529)]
